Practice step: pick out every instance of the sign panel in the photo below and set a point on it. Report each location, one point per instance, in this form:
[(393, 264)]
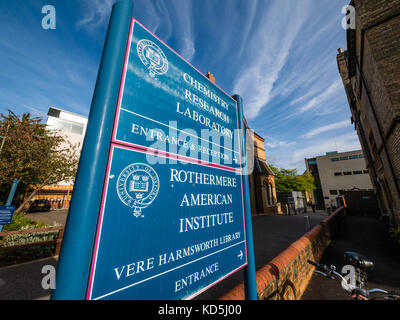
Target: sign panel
[(6, 214), (171, 222)]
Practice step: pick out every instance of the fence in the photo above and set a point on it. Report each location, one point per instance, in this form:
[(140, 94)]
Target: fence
[(6, 245)]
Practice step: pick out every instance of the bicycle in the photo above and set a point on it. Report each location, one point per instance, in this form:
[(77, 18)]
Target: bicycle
[(358, 289)]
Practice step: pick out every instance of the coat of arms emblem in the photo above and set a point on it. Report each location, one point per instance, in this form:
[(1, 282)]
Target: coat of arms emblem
[(137, 187), (152, 57)]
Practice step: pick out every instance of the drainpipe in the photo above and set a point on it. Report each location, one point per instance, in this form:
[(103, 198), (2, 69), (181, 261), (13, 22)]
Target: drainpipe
[(378, 125)]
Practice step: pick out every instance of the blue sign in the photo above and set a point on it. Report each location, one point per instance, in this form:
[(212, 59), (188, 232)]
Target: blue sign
[(6, 214), (171, 222)]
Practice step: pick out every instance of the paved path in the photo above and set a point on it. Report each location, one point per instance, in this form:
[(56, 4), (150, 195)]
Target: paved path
[(365, 235), (272, 234), (58, 217)]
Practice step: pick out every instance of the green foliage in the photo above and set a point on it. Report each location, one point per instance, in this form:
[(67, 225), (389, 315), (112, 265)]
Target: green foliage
[(395, 233), (20, 222), (290, 180), (29, 253), (24, 238), (33, 154)]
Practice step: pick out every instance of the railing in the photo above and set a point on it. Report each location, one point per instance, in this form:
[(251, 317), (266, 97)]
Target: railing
[(57, 240)]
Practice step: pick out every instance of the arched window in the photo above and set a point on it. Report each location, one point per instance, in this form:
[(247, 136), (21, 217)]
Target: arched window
[(268, 191), (271, 194)]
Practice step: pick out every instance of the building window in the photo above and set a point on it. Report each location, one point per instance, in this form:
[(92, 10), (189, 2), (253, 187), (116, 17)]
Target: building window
[(334, 159), (268, 189), (347, 173), (353, 157), (65, 126), (341, 192), (361, 156), (338, 173), (333, 192), (366, 171), (344, 158), (357, 172)]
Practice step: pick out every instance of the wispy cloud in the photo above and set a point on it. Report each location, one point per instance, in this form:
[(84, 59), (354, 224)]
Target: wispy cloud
[(273, 143), (331, 91), (172, 21), (183, 16), (326, 128), (301, 151), (96, 13), (267, 53)]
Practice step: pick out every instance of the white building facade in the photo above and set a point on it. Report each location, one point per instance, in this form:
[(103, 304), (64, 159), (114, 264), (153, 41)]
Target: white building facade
[(339, 172)]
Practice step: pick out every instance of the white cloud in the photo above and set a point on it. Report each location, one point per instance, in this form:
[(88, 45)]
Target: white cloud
[(329, 127), (182, 13), (97, 14), (280, 144), (331, 91), (294, 157), (267, 53), (160, 18)]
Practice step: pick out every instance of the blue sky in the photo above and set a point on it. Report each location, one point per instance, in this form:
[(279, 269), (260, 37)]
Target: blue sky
[(279, 55)]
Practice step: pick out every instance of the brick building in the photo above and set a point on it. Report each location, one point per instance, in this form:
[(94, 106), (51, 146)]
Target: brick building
[(262, 182), (370, 70)]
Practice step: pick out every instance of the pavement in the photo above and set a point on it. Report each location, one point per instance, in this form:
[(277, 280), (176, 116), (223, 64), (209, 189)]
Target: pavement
[(272, 234), (369, 237)]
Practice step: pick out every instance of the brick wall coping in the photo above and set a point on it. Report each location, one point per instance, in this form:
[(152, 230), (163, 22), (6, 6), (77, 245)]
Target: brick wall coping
[(268, 273)]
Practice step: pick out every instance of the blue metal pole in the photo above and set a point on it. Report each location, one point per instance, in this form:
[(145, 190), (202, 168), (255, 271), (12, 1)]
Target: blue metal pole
[(11, 196), (75, 256), (250, 270), (12, 192)]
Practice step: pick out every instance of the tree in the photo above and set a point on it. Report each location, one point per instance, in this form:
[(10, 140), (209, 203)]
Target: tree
[(33, 154), (290, 180)]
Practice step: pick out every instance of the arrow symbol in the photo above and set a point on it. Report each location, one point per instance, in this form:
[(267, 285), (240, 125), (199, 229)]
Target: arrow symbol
[(240, 255)]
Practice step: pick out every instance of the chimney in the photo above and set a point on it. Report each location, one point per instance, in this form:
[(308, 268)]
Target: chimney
[(210, 76)]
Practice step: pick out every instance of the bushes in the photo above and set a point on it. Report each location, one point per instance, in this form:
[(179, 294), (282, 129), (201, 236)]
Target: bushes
[(20, 239), (395, 233), (16, 254), (23, 254), (19, 222)]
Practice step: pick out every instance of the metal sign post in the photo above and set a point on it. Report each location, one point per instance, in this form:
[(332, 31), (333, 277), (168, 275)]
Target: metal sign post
[(8, 209), (250, 270), (74, 260)]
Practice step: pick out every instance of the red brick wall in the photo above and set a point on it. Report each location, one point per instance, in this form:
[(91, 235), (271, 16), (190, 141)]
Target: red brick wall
[(286, 276), (377, 48)]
